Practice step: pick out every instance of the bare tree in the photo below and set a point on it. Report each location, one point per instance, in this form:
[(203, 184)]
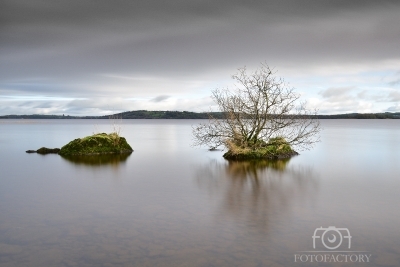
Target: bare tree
[(261, 111)]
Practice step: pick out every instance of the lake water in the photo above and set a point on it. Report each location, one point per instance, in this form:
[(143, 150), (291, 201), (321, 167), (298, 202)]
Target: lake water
[(171, 204)]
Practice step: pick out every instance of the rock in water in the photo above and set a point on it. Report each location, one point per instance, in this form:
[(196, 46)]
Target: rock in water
[(97, 144), (45, 150)]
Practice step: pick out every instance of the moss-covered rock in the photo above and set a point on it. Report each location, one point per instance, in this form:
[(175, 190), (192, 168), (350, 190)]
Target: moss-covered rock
[(97, 144), (276, 148)]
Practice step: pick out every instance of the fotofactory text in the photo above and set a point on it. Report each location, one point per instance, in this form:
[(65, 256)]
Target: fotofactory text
[(332, 244)]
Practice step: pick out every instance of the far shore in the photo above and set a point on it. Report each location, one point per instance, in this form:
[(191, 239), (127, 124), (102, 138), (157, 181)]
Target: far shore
[(145, 114)]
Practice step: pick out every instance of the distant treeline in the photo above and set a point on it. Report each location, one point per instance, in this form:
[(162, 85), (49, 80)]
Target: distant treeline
[(385, 115), (145, 114)]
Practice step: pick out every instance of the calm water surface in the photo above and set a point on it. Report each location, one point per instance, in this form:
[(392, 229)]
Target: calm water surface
[(170, 204)]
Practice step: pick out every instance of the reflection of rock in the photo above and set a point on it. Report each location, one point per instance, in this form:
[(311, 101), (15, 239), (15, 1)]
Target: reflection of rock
[(257, 192), (97, 160), (45, 150)]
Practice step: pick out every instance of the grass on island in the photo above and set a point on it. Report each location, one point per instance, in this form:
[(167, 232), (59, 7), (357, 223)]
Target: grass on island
[(100, 143), (276, 148)]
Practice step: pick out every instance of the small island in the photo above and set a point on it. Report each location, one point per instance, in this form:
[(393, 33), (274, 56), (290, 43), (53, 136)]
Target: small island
[(97, 144), (262, 119)]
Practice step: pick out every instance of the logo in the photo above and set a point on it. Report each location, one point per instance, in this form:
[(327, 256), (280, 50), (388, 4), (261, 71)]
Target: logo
[(332, 237), (332, 244)]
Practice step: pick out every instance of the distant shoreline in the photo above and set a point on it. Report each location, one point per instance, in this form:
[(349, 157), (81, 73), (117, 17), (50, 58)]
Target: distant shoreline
[(145, 114)]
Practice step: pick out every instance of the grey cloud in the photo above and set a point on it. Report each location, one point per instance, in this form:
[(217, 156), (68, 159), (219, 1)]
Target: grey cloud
[(25, 104), (343, 100), (336, 92), (45, 105), (372, 96), (394, 96), (160, 98), (21, 107), (395, 108), (68, 37), (363, 94), (345, 106), (394, 83), (69, 43)]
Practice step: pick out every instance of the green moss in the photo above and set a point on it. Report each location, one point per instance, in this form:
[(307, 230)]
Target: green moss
[(97, 144), (276, 148)]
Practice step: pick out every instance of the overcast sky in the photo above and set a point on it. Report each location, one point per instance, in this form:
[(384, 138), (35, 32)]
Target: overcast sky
[(95, 57)]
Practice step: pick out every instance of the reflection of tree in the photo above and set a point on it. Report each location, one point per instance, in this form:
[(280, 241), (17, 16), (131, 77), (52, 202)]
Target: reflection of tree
[(252, 168), (97, 160), (257, 192)]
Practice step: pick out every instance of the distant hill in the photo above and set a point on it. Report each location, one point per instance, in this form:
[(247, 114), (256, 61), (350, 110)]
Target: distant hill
[(136, 114), (146, 114)]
